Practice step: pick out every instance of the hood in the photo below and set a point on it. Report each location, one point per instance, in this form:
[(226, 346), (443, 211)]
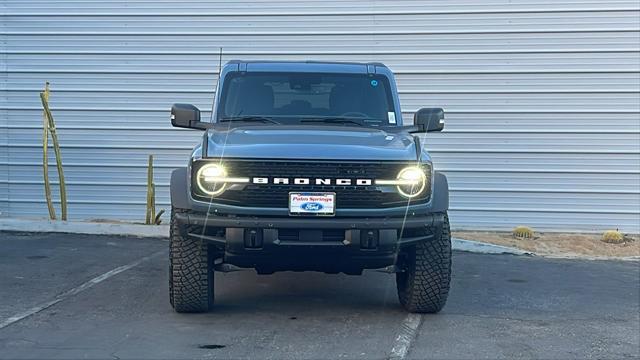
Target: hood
[(318, 142)]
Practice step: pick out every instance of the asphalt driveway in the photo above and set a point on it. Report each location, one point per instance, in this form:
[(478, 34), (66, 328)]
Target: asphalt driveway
[(79, 296)]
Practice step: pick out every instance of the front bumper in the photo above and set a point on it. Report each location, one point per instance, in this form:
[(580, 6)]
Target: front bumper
[(336, 244)]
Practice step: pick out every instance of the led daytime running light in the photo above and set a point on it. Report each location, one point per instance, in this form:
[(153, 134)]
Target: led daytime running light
[(211, 172), (411, 176)]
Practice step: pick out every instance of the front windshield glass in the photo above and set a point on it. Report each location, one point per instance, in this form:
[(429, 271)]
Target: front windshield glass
[(291, 98)]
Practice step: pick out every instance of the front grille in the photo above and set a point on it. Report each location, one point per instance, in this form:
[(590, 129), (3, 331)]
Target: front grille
[(352, 197), (314, 169)]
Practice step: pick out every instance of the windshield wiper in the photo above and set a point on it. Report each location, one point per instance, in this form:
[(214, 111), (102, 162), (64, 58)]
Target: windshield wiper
[(253, 118), (332, 120)]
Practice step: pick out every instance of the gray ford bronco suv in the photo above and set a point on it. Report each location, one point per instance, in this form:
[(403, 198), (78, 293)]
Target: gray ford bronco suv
[(307, 166)]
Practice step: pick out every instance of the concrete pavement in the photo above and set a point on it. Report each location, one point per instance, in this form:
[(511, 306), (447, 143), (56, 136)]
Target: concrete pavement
[(501, 306)]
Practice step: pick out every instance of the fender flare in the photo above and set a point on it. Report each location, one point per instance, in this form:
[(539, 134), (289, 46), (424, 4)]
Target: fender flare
[(179, 189), (440, 193)]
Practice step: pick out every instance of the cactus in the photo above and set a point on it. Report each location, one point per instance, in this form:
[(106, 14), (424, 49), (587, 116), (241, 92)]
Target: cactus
[(45, 157), (613, 237), (157, 220), (150, 193), (151, 217), (51, 129), (523, 232)]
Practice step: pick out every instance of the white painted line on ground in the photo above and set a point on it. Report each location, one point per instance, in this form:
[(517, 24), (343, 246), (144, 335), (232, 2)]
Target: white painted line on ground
[(76, 290), (406, 336)]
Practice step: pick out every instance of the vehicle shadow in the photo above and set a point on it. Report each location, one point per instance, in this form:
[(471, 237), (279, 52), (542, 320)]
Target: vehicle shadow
[(304, 291)]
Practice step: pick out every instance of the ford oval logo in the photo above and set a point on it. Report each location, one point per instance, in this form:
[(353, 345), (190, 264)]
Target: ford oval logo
[(311, 206)]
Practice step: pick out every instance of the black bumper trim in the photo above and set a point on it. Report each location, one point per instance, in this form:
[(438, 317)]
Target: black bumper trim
[(212, 239), (253, 242), (222, 241), (299, 222)]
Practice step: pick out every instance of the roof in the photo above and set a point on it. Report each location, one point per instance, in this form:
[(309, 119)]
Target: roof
[(235, 61), (307, 66)]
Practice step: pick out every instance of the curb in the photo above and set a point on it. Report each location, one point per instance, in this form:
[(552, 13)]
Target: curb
[(592, 258), (485, 248), (162, 231), (80, 227)]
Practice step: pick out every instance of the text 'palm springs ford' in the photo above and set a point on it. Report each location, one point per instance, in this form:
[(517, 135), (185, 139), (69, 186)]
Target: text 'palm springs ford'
[(308, 166)]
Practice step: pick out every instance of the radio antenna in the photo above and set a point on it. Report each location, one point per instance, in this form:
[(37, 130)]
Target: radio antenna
[(213, 102)]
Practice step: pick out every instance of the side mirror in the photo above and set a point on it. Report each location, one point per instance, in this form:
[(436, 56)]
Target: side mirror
[(429, 119), (187, 116)]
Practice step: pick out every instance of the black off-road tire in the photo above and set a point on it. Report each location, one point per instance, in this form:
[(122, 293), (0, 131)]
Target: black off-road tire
[(423, 286), (190, 271)]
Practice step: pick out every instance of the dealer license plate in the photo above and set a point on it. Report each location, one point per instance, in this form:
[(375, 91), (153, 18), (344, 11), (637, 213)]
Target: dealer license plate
[(312, 203)]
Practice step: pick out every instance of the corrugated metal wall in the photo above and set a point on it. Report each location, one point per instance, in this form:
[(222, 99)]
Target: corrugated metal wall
[(542, 96)]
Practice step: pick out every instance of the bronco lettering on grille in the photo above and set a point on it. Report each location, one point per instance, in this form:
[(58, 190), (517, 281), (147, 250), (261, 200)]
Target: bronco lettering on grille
[(308, 181)]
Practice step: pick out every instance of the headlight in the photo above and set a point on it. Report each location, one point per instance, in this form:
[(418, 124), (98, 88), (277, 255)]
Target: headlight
[(211, 179), (412, 181)]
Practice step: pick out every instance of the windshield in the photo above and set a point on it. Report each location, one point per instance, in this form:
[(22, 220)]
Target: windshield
[(291, 98)]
